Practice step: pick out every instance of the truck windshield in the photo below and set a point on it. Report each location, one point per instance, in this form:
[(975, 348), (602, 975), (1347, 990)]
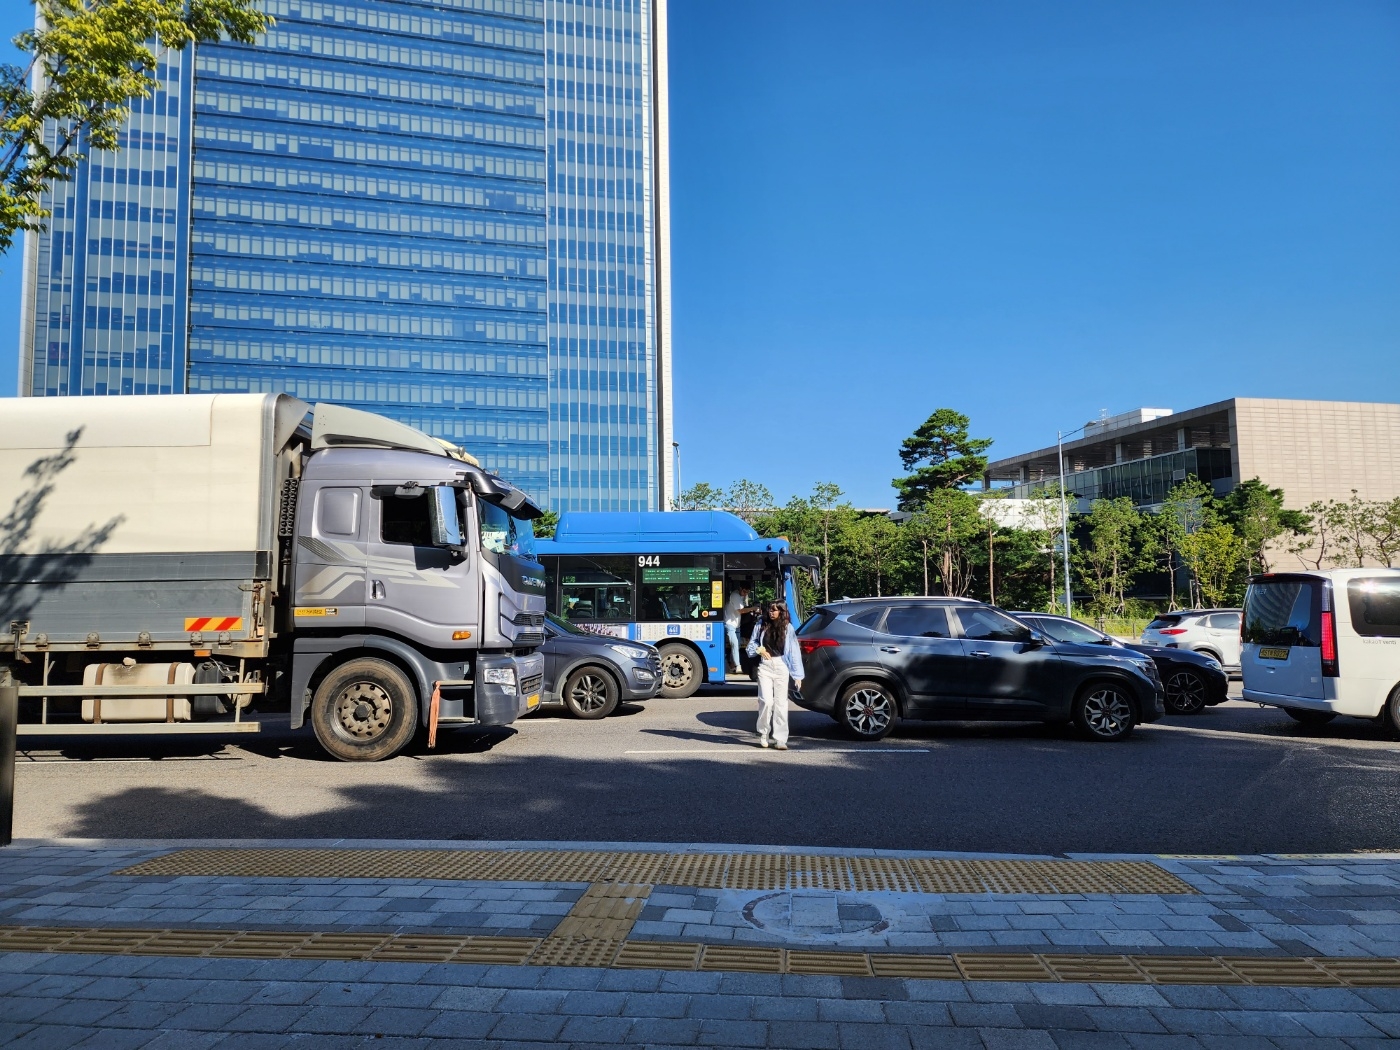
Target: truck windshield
[(503, 534)]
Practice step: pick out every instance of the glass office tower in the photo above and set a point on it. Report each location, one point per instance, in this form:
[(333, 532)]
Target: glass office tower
[(447, 211), (103, 308)]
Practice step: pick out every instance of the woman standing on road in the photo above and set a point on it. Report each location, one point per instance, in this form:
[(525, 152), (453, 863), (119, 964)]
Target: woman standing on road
[(774, 642)]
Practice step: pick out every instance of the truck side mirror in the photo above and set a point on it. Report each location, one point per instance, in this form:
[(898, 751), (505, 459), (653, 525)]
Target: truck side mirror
[(447, 527)]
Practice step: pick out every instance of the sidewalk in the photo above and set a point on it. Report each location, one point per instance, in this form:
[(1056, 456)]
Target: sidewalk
[(275, 944)]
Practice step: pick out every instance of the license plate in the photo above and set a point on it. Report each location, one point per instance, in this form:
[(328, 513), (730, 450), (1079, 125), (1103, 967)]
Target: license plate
[(1273, 654), (532, 701)]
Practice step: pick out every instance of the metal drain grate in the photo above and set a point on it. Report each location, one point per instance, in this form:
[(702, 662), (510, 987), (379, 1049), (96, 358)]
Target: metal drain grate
[(735, 871), (567, 950)]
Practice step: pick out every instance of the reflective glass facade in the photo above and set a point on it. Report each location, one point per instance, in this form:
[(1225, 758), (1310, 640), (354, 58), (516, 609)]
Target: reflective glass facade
[(441, 210), (105, 287), (605, 370)]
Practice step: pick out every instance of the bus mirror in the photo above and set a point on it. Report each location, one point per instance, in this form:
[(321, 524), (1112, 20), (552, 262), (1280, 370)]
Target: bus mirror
[(447, 527)]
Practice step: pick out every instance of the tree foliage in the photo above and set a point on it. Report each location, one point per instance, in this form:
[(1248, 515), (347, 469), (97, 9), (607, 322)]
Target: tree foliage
[(940, 455), (88, 60), (701, 496)]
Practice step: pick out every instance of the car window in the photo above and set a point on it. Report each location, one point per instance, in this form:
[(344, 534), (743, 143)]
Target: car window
[(918, 621), (868, 617), (1225, 621), (1281, 612), (988, 625), (1163, 621), (1375, 606), (1069, 631)]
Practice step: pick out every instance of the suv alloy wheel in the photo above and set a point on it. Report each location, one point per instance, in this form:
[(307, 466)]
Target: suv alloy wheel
[(1103, 711), (867, 710)]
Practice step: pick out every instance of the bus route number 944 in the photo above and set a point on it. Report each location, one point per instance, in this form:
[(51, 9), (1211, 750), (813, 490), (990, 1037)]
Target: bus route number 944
[(646, 560)]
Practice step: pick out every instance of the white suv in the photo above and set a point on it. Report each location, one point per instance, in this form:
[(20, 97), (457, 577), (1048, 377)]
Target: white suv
[(1210, 632), (1326, 643)]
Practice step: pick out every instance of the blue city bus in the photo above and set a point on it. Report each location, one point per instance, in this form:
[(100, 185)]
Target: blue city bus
[(663, 578)]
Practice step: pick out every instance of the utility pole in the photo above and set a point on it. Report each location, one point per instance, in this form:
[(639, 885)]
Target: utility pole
[(676, 449), (9, 720), (1064, 523)]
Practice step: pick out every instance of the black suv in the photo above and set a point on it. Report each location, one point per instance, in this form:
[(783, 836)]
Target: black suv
[(873, 661)]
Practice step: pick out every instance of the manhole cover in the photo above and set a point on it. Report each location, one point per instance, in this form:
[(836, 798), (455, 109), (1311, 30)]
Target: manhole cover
[(814, 916)]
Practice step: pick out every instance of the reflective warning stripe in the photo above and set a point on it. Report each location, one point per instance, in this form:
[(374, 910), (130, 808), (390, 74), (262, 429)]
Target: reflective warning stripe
[(213, 623)]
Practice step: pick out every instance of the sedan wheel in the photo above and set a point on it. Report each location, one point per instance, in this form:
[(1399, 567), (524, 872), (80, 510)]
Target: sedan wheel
[(590, 693), (867, 710), (1103, 712), (1186, 693)]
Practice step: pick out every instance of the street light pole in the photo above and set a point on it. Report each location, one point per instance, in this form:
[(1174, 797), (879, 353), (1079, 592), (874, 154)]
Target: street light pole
[(1064, 524), (676, 448)]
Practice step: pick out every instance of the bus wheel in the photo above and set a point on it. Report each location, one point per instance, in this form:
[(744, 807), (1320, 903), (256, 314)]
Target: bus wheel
[(680, 672), (365, 710)]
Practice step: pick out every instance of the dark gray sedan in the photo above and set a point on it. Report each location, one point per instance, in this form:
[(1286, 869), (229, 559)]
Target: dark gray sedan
[(590, 674)]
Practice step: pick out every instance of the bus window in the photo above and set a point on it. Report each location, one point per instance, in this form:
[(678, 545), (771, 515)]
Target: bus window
[(594, 589), (681, 587)]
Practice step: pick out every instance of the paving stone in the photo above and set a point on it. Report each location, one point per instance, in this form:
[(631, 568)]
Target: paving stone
[(1041, 1015), (806, 1034), (1330, 1023), (984, 1015), (1015, 1039), (529, 1027), (850, 1010), (609, 1030), (721, 1007), (723, 1032), (856, 1036), (1077, 1040)]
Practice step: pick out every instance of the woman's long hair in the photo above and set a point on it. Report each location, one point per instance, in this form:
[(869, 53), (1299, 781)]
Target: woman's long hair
[(775, 632)]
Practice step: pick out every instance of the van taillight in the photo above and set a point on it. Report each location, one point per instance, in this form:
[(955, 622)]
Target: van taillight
[(1329, 633), (811, 645)]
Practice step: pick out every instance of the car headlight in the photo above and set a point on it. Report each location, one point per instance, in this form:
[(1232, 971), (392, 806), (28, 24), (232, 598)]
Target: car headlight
[(629, 651), (499, 676)]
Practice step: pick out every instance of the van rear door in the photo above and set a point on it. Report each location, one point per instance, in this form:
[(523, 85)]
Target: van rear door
[(1282, 652)]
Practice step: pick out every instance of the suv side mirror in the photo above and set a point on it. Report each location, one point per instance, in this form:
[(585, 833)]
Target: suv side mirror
[(1037, 639), (447, 527)]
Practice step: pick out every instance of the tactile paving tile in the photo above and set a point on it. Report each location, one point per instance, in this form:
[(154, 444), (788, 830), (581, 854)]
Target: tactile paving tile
[(1187, 969), (843, 964), (1281, 971), (927, 967), (657, 955), (737, 871), (746, 960), (670, 955), (993, 966), (1110, 969)]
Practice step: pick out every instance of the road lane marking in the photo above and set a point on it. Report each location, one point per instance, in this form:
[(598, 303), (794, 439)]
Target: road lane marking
[(746, 749), (1282, 738)]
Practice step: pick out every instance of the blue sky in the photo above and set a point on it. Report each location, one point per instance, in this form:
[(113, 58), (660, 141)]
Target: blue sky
[(1029, 212)]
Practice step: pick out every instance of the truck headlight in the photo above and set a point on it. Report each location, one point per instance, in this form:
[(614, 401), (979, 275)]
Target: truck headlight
[(499, 676), (629, 651)]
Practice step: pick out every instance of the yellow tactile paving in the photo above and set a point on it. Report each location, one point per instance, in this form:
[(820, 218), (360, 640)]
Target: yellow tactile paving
[(736, 871), (669, 955)]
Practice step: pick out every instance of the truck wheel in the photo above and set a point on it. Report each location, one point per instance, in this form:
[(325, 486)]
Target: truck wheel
[(590, 693), (1103, 711), (365, 710), (1390, 713), (680, 672)]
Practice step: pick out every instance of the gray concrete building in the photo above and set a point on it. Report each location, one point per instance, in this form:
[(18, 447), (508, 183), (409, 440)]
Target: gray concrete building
[(1313, 450)]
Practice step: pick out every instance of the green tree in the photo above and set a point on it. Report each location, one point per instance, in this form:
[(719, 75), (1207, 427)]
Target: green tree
[(940, 455), (1351, 525), (545, 525), (1111, 553), (941, 531), (88, 60), (1385, 532), (871, 543), (1189, 506), (1214, 554), (748, 499), (700, 496), (1257, 514), (1312, 541)]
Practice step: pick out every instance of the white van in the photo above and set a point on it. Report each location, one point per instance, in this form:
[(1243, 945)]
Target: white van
[(1326, 643)]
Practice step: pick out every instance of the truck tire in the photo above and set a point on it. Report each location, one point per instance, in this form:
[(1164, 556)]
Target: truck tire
[(364, 711), (681, 671), (590, 693)]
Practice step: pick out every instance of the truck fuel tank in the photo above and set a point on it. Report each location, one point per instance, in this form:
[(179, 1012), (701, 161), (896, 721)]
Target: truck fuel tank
[(137, 708)]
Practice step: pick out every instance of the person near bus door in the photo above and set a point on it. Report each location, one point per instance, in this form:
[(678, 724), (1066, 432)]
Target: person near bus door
[(734, 609), (774, 642)]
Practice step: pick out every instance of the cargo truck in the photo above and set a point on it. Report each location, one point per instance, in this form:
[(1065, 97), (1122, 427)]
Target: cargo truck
[(171, 564)]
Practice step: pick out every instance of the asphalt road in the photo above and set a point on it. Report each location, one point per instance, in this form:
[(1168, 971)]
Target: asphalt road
[(1236, 779)]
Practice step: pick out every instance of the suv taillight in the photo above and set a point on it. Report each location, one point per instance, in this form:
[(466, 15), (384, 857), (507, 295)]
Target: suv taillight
[(811, 645), (1172, 630), (1329, 633)]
